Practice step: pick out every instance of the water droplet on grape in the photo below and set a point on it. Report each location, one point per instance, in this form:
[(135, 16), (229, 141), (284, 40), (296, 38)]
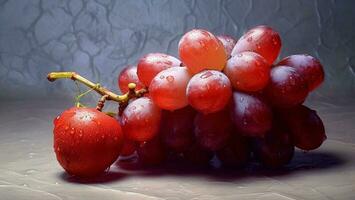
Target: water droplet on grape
[(134, 107), (258, 46), (170, 78), (239, 55), (245, 122), (66, 128), (206, 75), (274, 41), (250, 39), (241, 99), (162, 77)]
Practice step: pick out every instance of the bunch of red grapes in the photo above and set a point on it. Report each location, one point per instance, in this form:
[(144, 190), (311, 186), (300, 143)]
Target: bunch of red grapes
[(225, 98)]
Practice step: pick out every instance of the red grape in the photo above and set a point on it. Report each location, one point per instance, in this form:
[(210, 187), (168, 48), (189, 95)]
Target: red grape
[(236, 153), (141, 120), (86, 141), (306, 127), (200, 50), (129, 75), (287, 87), (209, 91), (251, 115), (168, 88), (177, 129), (198, 156), (228, 43), (262, 40), (248, 71), (153, 63), (276, 149), (151, 152), (310, 68), (213, 130), (128, 148)]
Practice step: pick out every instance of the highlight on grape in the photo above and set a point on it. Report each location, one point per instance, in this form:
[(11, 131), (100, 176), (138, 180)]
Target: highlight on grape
[(224, 97)]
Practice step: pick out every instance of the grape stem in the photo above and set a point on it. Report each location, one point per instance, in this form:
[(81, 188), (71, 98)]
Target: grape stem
[(106, 94)]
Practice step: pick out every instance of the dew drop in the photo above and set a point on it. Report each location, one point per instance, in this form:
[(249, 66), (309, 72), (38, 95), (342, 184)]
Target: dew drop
[(162, 77), (206, 75), (66, 127), (241, 99), (239, 55), (245, 122), (274, 41), (170, 78), (258, 46)]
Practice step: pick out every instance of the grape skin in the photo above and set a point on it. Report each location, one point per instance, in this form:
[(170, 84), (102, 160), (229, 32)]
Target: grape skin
[(286, 88), (228, 43), (262, 40), (151, 153), (276, 149), (236, 153), (168, 88), (309, 67), (200, 50), (126, 76), (209, 91), (212, 131), (251, 115), (306, 127), (141, 120), (153, 63), (177, 129), (248, 71)]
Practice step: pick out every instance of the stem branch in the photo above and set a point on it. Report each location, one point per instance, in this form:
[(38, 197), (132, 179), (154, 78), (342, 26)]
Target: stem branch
[(122, 99)]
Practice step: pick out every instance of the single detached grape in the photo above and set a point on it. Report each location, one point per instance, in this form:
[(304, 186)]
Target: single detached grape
[(153, 63), (306, 127), (212, 131), (151, 152), (248, 71), (86, 141), (168, 88), (251, 114), (309, 67), (228, 43), (128, 75), (236, 153), (209, 91), (276, 149), (262, 40), (200, 50), (197, 156), (177, 129), (287, 87), (141, 120)]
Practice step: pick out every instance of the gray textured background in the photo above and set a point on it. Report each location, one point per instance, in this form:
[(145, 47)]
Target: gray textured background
[(97, 38)]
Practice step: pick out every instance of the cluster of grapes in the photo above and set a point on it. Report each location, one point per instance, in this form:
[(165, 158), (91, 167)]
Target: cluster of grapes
[(226, 98)]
